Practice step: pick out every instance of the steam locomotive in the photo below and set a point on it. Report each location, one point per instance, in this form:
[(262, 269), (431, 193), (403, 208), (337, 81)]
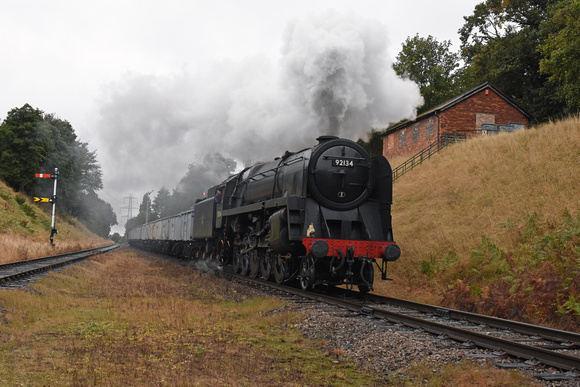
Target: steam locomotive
[(318, 216)]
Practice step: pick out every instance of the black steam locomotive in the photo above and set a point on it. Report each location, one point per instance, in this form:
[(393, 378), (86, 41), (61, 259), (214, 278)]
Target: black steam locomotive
[(320, 216)]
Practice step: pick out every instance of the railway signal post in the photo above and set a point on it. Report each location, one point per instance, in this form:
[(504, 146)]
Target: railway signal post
[(52, 200)]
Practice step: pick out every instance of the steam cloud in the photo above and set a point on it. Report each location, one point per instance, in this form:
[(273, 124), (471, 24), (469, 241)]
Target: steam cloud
[(334, 77)]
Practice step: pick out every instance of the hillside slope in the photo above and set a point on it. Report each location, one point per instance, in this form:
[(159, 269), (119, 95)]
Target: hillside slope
[(493, 223), (25, 229)]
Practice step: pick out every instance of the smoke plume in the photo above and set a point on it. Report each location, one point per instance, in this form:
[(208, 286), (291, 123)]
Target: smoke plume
[(334, 77)]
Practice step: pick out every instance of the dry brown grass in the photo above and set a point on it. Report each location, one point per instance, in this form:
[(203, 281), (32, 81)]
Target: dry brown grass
[(443, 208), (19, 248), (121, 319), (25, 230), (465, 373)]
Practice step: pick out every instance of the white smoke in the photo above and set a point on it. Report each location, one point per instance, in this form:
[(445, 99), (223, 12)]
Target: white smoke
[(334, 77)]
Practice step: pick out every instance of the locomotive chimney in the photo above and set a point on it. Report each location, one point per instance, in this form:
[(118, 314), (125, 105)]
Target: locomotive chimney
[(322, 139)]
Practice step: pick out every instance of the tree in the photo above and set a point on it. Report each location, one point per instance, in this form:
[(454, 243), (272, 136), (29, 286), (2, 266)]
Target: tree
[(145, 207), (160, 203), (561, 51), (91, 174), (116, 237), (33, 142), (21, 150), (59, 142), (499, 45), (199, 177), (432, 66), (374, 146), (97, 214)]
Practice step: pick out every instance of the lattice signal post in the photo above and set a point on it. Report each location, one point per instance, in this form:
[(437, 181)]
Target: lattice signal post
[(52, 200)]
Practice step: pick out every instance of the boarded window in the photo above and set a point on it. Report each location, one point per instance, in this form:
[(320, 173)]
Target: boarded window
[(415, 134), (391, 141), (402, 139), (430, 127), (483, 118)]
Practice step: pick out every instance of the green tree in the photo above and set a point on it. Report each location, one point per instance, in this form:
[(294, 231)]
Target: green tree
[(499, 44), (145, 207), (21, 149), (199, 177), (79, 173), (432, 66), (59, 142), (160, 203), (97, 214), (33, 142), (116, 237), (374, 146), (561, 51), (91, 174), (132, 223)]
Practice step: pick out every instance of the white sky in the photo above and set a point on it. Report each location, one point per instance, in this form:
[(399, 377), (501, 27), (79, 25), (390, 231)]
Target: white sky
[(78, 58)]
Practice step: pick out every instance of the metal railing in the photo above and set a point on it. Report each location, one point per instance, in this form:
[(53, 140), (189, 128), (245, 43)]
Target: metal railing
[(418, 159), (451, 138), (426, 153)]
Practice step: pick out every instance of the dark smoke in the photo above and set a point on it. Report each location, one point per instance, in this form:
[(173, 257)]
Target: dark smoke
[(334, 77)]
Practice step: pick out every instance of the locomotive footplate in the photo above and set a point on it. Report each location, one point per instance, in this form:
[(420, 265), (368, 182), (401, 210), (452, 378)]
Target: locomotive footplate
[(353, 258), (367, 249)]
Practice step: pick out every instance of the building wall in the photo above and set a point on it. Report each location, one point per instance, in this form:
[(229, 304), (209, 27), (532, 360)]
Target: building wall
[(485, 106), (463, 116), (410, 139)]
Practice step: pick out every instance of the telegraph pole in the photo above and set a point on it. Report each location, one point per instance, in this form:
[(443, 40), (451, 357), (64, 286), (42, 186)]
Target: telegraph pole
[(147, 207)]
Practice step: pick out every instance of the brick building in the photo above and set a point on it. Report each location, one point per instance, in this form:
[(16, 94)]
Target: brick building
[(484, 105)]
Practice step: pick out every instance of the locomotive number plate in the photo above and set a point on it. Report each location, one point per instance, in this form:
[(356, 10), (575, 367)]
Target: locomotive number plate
[(343, 163)]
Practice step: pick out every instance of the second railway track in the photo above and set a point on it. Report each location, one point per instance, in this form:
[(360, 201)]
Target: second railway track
[(15, 271)]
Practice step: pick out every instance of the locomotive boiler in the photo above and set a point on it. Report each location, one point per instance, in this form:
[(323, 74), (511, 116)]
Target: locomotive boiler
[(319, 216)]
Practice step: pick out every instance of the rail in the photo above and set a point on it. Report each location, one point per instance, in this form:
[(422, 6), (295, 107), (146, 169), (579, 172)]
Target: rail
[(13, 271), (443, 324)]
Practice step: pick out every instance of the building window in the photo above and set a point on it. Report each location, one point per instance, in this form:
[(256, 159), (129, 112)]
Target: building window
[(430, 127), (415, 133), (483, 118), (391, 141), (402, 139)]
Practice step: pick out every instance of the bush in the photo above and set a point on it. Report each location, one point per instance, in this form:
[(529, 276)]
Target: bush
[(538, 281)]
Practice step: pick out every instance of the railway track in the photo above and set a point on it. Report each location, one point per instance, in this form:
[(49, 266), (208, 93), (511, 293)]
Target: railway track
[(17, 271), (510, 344)]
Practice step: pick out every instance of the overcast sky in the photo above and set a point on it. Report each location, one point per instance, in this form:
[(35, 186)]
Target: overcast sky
[(153, 86)]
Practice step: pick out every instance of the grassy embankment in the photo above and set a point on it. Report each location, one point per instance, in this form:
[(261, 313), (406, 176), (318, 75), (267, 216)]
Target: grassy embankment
[(25, 229), (493, 225)]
